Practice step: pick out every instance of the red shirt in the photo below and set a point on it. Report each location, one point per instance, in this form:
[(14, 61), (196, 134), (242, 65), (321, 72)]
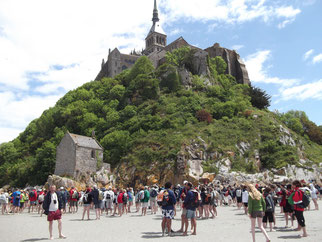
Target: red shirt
[(120, 198), (34, 198), (71, 195), (298, 196)]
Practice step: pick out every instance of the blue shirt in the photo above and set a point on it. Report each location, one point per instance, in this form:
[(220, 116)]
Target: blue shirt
[(172, 201), (189, 200)]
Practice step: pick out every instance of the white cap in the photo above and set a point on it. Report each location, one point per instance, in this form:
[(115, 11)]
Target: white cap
[(185, 182)]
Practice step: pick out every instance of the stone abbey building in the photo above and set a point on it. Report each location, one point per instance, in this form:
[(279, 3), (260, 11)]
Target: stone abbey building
[(156, 47)]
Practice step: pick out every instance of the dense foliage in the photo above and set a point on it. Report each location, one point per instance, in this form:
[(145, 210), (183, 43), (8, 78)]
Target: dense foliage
[(143, 116)]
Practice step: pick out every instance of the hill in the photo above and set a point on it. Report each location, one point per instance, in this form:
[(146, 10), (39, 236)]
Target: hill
[(165, 123)]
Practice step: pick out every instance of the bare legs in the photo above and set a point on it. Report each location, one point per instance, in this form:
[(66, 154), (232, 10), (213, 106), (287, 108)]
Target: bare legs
[(260, 225), (61, 236)]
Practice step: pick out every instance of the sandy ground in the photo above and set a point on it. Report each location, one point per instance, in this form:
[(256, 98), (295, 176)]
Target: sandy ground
[(230, 225)]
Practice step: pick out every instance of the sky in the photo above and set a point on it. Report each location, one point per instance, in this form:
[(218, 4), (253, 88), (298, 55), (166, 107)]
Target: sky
[(48, 48)]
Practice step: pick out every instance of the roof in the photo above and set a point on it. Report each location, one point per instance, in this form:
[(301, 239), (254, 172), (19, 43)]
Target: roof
[(156, 27), (85, 141)]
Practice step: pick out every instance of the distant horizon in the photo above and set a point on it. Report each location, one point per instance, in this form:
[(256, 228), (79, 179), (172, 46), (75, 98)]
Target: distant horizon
[(49, 53)]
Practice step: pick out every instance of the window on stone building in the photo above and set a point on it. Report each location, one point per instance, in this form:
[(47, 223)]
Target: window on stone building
[(93, 154)]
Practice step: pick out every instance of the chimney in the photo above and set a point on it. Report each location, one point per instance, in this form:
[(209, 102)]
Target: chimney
[(93, 134)]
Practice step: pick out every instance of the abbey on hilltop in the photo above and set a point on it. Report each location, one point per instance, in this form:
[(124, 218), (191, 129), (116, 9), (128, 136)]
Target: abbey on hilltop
[(156, 48)]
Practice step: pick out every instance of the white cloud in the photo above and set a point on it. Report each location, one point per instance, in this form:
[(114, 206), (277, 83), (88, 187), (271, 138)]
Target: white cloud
[(16, 112), (311, 90), (287, 12), (308, 54), (237, 47), (8, 134), (175, 31), (255, 64), (317, 58)]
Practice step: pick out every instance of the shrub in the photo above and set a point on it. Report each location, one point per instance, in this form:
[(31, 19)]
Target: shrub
[(203, 115)]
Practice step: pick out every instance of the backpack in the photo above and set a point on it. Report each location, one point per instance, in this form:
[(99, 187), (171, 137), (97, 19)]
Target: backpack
[(165, 198), (31, 194), (238, 193), (41, 197), (108, 196), (196, 201), (305, 200), (160, 198), (124, 198), (154, 193), (141, 195), (100, 195), (269, 205), (85, 197), (75, 194), (208, 197)]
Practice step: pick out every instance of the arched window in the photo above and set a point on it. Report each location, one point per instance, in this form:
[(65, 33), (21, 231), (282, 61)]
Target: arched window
[(93, 154)]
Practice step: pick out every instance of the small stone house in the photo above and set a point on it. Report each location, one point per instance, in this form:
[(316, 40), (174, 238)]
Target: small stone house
[(77, 154)]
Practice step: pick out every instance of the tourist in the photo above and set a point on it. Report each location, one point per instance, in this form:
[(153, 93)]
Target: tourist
[(153, 199), (270, 209), (297, 198), (145, 200), (245, 199), (16, 196), (41, 197), (120, 202), (4, 201), (32, 200), (109, 197), (73, 196), (23, 200), (256, 208), (101, 201), (287, 207), (205, 201), (168, 208), (52, 206), (239, 201), (125, 201), (115, 204), (95, 194), (191, 202), (212, 204), (182, 195), (64, 197), (130, 193), (314, 196), (87, 201)]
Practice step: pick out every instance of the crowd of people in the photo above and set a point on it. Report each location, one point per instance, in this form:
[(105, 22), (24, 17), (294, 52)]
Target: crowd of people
[(194, 202)]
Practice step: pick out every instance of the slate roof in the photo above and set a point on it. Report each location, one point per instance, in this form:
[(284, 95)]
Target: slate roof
[(84, 141)]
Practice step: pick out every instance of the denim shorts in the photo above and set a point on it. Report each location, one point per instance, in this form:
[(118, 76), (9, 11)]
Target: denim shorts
[(191, 214)]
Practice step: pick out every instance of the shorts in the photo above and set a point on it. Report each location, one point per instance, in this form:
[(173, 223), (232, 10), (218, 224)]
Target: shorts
[(239, 199), (85, 205), (257, 214), (97, 205), (145, 204), (269, 216), (168, 213), (246, 205), (40, 202), (153, 202), (33, 202), (287, 208), (72, 203), (21, 204), (184, 212), (54, 215), (108, 204), (191, 214)]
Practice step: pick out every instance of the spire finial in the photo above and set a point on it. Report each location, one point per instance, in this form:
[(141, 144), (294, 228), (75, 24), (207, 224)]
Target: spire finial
[(155, 13)]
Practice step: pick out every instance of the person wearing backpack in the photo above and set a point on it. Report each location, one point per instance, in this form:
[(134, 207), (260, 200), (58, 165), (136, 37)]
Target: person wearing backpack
[(95, 194), (298, 199), (125, 201), (32, 200), (87, 201), (191, 202), (109, 197), (4, 201), (73, 194), (145, 200), (270, 209), (238, 192), (153, 199), (314, 196), (168, 208)]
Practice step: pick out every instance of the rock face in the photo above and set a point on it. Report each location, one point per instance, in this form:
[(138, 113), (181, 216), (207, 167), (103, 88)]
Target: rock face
[(199, 63)]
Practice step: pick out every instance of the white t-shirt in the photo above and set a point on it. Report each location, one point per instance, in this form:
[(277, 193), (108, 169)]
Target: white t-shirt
[(245, 196), (53, 206)]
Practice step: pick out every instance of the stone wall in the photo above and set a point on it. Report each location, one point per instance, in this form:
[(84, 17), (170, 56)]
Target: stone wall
[(65, 157), (235, 66), (84, 161)]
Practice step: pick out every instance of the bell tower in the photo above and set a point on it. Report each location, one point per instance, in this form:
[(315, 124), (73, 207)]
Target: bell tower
[(156, 39)]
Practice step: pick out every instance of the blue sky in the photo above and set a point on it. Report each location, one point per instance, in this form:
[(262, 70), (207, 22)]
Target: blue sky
[(50, 47)]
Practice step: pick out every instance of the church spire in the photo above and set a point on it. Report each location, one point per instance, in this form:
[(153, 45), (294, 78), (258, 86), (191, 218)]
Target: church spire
[(155, 13)]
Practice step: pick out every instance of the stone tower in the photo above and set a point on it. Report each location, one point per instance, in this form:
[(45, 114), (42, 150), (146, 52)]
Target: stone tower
[(156, 39)]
